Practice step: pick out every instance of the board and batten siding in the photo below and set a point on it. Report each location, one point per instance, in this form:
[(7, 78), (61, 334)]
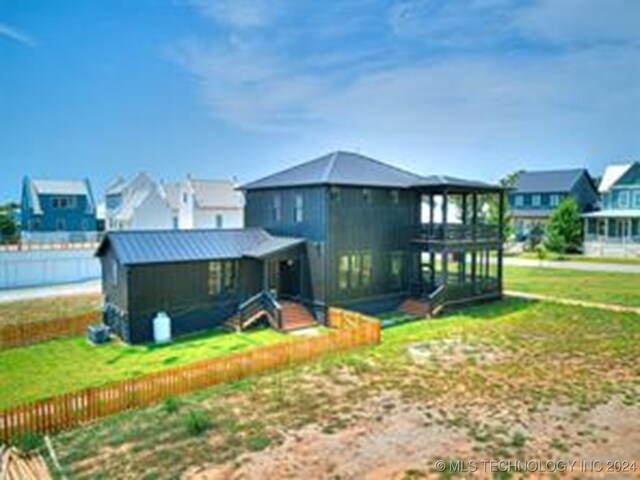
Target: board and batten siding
[(368, 219), (260, 212)]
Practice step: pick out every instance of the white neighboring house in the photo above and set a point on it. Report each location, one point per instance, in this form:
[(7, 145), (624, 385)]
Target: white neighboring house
[(203, 204), (138, 205)]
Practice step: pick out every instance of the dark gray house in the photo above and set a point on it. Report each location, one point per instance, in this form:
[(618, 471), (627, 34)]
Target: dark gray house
[(537, 194), (340, 230)]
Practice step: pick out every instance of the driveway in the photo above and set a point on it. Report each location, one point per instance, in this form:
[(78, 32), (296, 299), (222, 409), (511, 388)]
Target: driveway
[(80, 288), (569, 265)]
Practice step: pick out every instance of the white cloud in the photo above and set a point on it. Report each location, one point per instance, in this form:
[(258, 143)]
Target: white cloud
[(16, 35), (238, 13)]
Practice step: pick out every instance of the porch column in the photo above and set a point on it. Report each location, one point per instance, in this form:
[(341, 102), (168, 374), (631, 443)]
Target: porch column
[(432, 255), (474, 226), (501, 237), (462, 260), (445, 252)]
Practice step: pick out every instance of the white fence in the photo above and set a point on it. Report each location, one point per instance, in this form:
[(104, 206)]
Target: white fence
[(47, 267)]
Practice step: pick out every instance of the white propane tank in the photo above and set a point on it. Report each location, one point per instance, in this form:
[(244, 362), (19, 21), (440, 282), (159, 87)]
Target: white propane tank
[(162, 328)]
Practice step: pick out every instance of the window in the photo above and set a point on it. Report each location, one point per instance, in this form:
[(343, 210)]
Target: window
[(536, 200), (366, 270), (354, 273), (175, 223), (366, 196), (277, 208), (343, 272), (554, 199), (219, 220), (297, 210), (395, 197), (334, 194), (623, 199), (114, 273), (636, 199), (519, 200), (63, 202), (395, 269), (185, 197), (222, 277)]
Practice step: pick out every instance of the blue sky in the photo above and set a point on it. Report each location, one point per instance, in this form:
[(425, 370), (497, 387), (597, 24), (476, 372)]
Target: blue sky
[(223, 88)]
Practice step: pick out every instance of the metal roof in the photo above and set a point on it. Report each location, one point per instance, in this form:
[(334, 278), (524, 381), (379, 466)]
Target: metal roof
[(635, 213), (339, 168), (170, 246), (273, 245), (548, 181), (353, 169), (611, 175), (531, 213)]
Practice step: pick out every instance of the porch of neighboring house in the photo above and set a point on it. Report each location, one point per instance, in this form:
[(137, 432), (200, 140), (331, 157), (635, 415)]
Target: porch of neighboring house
[(459, 251), (612, 233), (282, 298)]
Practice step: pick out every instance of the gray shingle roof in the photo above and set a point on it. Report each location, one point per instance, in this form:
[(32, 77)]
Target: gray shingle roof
[(169, 246), (339, 168), (548, 181)]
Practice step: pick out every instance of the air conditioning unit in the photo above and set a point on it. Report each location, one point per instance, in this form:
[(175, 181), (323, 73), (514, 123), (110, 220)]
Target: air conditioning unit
[(98, 334)]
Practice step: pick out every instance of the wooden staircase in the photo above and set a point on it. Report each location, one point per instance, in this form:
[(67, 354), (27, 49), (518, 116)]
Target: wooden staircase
[(295, 316)]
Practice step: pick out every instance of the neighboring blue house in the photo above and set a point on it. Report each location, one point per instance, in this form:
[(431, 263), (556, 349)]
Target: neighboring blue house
[(537, 194), (615, 229), (58, 210)]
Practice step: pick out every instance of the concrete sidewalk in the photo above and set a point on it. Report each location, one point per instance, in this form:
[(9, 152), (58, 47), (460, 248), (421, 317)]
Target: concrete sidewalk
[(568, 301), (30, 293), (570, 265)]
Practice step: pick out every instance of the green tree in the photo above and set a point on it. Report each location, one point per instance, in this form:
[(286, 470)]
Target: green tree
[(564, 230), (8, 227), (491, 206)]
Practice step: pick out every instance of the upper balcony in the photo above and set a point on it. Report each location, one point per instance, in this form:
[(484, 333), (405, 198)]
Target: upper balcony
[(457, 233)]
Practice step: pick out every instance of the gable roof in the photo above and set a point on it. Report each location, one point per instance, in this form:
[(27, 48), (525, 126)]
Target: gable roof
[(170, 246), (339, 168), (216, 194), (549, 181), (612, 174), (36, 187), (116, 185), (171, 193)]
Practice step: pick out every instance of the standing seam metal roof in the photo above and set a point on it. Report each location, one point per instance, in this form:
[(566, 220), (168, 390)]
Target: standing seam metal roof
[(170, 246)]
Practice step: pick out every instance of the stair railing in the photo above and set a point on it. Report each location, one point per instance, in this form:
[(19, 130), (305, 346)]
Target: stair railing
[(437, 298), (261, 301)]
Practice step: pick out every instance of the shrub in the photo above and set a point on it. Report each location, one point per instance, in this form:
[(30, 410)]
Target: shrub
[(564, 230), (171, 405), (29, 441), (197, 423)]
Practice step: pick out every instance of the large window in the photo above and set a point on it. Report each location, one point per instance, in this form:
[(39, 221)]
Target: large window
[(355, 271), (298, 209), (222, 277)]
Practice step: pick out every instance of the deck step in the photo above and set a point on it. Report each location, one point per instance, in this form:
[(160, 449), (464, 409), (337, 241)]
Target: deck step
[(417, 307), (295, 316)]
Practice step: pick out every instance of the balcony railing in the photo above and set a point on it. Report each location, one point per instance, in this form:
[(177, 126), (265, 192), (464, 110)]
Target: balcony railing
[(457, 233)]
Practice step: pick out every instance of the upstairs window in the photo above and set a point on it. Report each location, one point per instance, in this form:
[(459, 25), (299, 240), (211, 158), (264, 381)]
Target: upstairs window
[(518, 200), (623, 199), (343, 272), (366, 196), (395, 197), (636, 199), (334, 194), (219, 220), (554, 200), (114, 273), (277, 208), (395, 269), (298, 209), (536, 200), (185, 197)]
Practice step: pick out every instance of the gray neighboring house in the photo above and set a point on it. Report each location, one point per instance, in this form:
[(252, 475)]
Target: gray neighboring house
[(536, 194)]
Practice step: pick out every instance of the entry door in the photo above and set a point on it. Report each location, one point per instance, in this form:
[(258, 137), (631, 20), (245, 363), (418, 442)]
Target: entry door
[(289, 278)]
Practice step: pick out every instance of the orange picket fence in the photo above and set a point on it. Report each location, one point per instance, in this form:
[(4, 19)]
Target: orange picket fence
[(53, 414), (16, 335)]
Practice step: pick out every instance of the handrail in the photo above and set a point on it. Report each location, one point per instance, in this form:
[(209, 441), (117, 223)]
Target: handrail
[(262, 300)]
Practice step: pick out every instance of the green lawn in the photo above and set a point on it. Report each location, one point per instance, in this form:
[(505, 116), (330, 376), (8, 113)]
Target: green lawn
[(581, 258), (34, 310), (502, 377), (64, 365), (602, 287)]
